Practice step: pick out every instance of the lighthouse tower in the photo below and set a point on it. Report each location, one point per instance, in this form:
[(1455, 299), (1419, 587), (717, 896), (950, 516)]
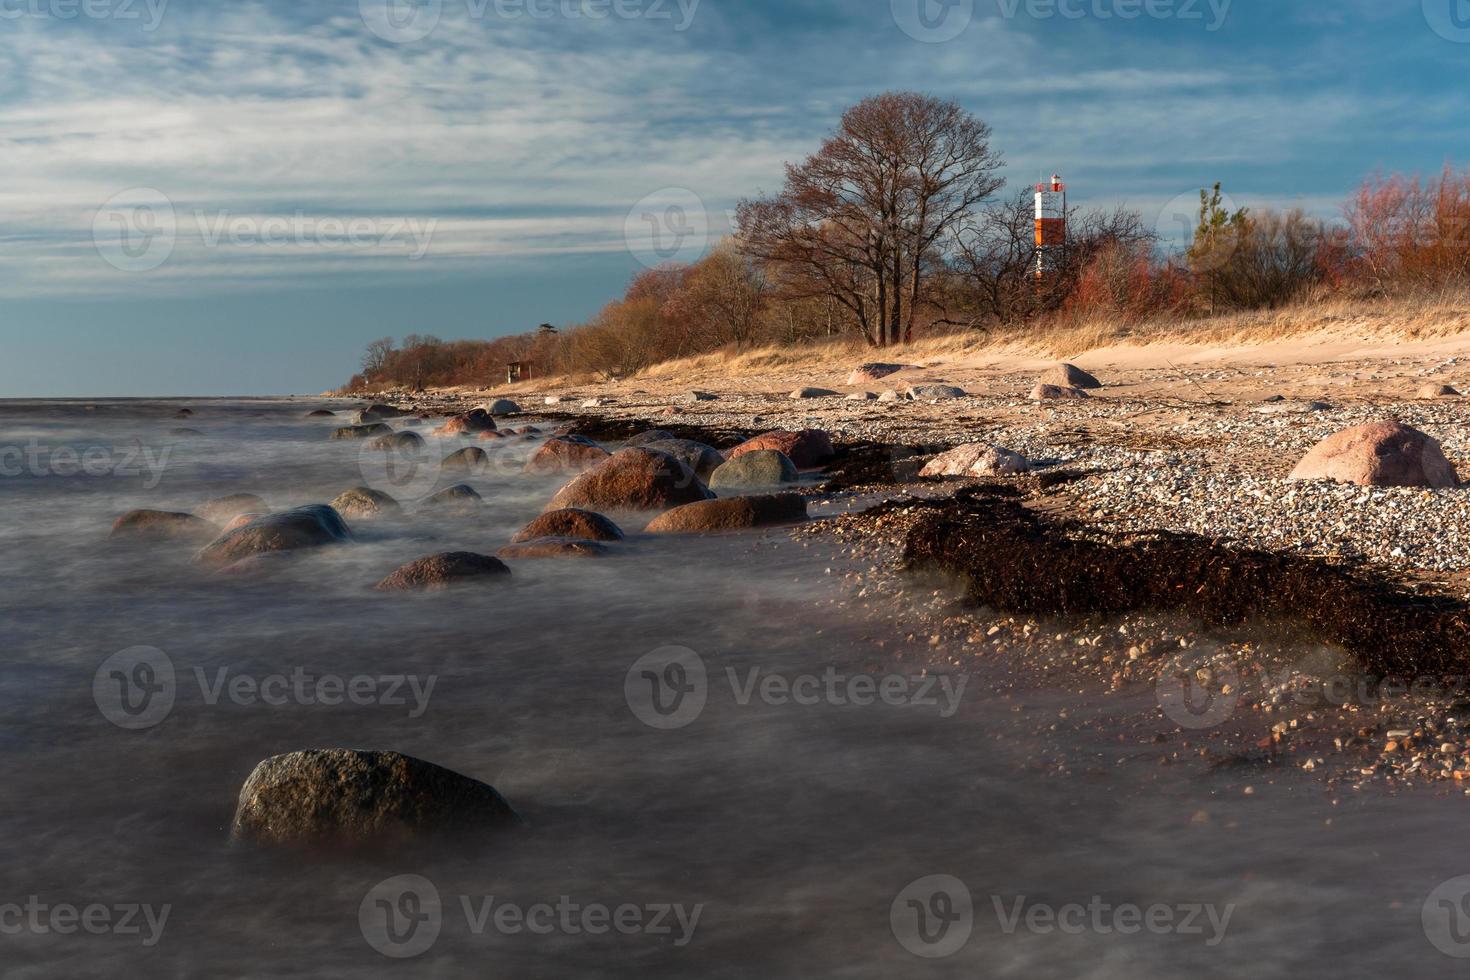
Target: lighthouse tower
[(1051, 223)]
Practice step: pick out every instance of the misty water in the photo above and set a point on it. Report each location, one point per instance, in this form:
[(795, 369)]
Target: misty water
[(794, 831)]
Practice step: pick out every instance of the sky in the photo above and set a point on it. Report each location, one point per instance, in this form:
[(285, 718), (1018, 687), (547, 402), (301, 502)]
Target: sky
[(224, 197)]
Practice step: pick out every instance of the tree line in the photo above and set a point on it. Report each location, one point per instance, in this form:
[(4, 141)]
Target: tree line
[(897, 228)]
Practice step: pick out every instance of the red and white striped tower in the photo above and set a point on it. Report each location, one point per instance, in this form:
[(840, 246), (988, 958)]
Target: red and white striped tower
[(1051, 222)]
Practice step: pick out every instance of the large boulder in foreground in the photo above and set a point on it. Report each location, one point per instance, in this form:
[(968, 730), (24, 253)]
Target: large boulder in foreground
[(761, 468), (808, 448), (469, 423), (305, 527), (730, 514), (436, 573), (162, 525), (365, 503), (976, 459), (699, 457), (566, 454), (346, 798), (1070, 376), (570, 523), (1047, 393), (632, 479), (1379, 454)]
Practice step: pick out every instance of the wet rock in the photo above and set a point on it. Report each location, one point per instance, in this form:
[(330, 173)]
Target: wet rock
[(221, 510), (398, 441), (471, 459), (570, 523), (1379, 454), (348, 798), (490, 434), (436, 573), (504, 406), (160, 525), (458, 499), (312, 526), (184, 413), (1436, 391), (379, 413), (652, 435), (240, 520), (566, 454), (801, 393), (474, 421), (632, 479), (321, 413), (363, 431), (552, 548), (760, 468), (365, 503), (1070, 376), (923, 392), (700, 458), (976, 459), (185, 433), (876, 371), (1044, 392), (808, 449), (730, 514)]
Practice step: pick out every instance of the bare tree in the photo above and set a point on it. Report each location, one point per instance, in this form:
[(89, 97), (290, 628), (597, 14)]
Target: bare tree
[(376, 356), (866, 219)]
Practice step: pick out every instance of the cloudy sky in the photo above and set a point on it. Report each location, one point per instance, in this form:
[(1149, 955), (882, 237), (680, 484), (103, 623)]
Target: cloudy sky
[(202, 197)]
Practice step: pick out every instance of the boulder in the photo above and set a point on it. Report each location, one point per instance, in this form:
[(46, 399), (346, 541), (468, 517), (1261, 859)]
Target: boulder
[(808, 449), (474, 421), (941, 392), (398, 441), (1437, 391), (651, 435), (566, 454), (593, 403), (1042, 393), (222, 510), (1379, 454), (1070, 376), (702, 396), (490, 434), (569, 523), (240, 520), (348, 798), (321, 413), (813, 393), (889, 396), (877, 371), (552, 548), (312, 526), (363, 431), (700, 458), (159, 525), (730, 514), (364, 503), (976, 459), (504, 406), (471, 459), (439, 572), (379, 413), (862, 396), (632, 479), (185, 433), (760, 468), (458, 499)]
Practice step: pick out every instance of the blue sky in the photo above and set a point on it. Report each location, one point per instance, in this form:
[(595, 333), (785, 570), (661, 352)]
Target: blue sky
[(202, 197)]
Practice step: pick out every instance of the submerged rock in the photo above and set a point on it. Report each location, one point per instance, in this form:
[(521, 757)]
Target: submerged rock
[(438, 572), (469, 423), (398, 441), (321, 413), (364, 503), (312, 526), (222, 510), (976, 459), (471, 459), (458, 499), (162, 525), (363, 431), (552, 548), (380, 413), (731, 514), (1379, 454), (1066, 375), (808, 448), (632, 479), (570, 523), (760, 468), (344, 798), (566, 454)]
